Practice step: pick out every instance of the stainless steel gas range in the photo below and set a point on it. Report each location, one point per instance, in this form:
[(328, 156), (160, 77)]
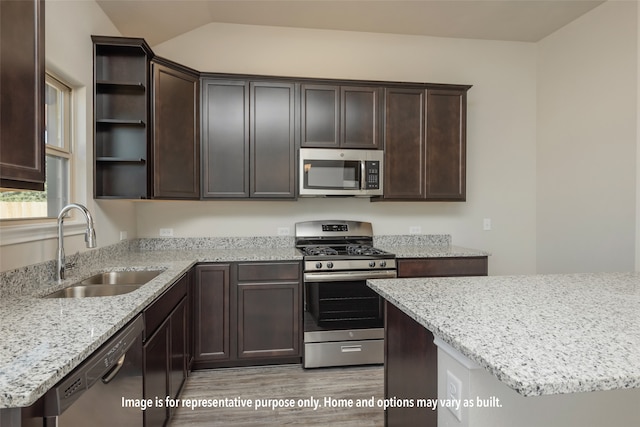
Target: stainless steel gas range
[(343, 317)]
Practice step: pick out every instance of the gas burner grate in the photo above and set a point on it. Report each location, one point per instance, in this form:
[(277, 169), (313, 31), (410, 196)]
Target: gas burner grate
[(320, 250), (363, 250)]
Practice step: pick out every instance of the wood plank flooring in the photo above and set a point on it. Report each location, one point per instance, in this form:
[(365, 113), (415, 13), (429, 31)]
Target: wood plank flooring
[(284, 382)]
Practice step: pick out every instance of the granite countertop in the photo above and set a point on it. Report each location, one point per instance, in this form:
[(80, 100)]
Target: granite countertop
[(540, 334), (42, 340)]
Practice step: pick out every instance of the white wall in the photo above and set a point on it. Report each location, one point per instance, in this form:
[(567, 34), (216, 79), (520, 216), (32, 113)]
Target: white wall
[(587, 141), (500, 135), (69, 54)]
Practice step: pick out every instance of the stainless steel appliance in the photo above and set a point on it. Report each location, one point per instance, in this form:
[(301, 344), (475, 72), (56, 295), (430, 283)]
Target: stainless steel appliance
[(94, 392), (343, 317), (333, 172)]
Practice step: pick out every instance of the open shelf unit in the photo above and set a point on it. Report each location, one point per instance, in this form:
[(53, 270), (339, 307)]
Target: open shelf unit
[(121, 117)]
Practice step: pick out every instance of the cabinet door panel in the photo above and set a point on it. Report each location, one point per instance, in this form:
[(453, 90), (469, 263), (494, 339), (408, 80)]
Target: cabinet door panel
[(404, 172), (178, 361), (446, 144), (225, 129), (22, 78), (320, 116), (176, 135), (272, 139), (268, 320), (359, 113), (211, 313), (156, 381)]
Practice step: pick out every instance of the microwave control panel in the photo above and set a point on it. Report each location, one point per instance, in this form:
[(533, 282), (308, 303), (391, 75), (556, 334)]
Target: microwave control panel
[(372, 179)]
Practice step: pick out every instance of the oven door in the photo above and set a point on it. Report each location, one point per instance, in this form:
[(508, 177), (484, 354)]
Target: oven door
[(343, 319), (342, 300)]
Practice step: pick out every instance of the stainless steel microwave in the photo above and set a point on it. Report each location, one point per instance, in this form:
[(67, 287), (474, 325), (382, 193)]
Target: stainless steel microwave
[(334, 172)]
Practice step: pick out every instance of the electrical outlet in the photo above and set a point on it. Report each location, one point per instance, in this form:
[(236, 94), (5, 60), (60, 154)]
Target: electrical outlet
[(283, 231), (166, 232), (486, 224), (123, 235), (415, 229), (454, 394)]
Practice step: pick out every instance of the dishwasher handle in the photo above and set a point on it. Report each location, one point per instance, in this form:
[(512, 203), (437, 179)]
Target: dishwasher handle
[(113, 372)]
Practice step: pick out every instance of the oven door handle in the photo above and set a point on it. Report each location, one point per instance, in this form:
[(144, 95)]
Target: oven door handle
[(350, 276)]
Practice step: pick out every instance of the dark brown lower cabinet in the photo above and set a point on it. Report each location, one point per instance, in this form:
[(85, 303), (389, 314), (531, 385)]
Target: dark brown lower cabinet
[(268, 323), (165, 350), (156, 362), (440, 267), (211, 314), (410, 369), (247, 314)]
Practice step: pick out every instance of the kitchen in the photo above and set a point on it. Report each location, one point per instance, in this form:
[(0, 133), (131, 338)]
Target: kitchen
[(544, 214)]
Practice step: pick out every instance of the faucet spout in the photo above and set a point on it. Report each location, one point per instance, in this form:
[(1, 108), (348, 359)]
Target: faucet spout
[(89, 235)]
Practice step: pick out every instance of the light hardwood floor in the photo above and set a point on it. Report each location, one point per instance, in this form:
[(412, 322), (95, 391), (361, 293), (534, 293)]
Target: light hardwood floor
[(284, 382)]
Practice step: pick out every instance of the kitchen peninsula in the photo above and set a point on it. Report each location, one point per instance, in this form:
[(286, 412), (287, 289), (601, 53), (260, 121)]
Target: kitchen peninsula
[(552, 350)]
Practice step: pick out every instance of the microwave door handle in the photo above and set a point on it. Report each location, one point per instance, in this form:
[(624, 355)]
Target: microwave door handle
[(363, 179)]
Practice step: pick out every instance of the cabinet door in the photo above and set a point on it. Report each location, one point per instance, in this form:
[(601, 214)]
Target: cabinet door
[(268, 320), (320, 116), (156, 381), (211, 313), (225, 138), (404, 144), (22, 78), (176, 133), (178, 360), (272, 146), (359, 117), (446, 144)]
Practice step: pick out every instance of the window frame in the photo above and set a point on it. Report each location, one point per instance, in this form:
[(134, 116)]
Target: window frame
[(12, 226)]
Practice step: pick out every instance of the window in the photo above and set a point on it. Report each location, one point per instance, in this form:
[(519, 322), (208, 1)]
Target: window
[(47, 204)]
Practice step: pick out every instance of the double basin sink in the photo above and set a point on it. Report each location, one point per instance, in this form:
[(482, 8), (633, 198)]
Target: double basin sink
[(107, 284)]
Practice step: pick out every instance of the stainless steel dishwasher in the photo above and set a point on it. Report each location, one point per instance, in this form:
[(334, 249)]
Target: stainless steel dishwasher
[(93, 393)]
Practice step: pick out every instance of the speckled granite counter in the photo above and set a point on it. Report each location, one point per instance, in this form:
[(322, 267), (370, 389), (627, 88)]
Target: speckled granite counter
[(41, 340), (540, 335)]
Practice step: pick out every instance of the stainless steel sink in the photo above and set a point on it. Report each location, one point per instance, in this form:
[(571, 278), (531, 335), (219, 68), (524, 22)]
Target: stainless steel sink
[(121, 277), (107, 284)]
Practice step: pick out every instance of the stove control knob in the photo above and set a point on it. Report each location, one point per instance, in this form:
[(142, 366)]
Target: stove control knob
[(318, 265), (372, 264), (383, 264), (329, 264)]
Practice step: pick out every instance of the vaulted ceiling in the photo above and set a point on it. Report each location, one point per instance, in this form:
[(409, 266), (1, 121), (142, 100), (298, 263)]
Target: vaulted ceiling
[(512, 20)]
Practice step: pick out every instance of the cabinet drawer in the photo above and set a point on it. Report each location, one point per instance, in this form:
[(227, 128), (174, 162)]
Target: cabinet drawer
[(435, 267), (264, 271), (158, 310)]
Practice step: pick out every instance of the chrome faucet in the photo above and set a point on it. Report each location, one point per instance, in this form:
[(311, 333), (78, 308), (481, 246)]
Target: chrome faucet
[(89, 235)]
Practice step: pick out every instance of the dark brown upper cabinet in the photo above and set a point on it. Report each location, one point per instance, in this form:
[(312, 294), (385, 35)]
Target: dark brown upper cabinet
[(22, 79), (334, 116), (248, 139), (225, 138), (121, 114), (176, 131), (425, 143)]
